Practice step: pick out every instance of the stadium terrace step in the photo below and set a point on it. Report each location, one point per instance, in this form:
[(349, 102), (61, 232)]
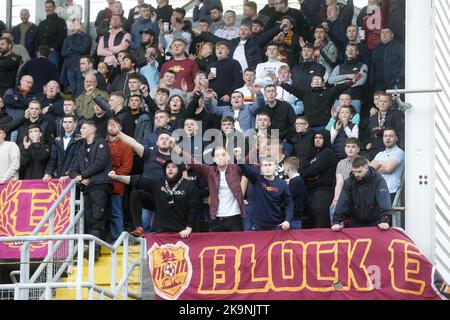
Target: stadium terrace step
[(102, 272)]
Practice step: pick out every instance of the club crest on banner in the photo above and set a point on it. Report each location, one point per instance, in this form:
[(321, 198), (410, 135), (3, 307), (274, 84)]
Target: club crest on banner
[(170, 268)]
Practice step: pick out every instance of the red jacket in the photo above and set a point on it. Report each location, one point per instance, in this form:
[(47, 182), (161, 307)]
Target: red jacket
[(211, 173), (122, 162)]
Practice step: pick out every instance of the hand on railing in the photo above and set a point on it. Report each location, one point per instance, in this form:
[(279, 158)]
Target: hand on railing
[(186, 232), (63, 179)]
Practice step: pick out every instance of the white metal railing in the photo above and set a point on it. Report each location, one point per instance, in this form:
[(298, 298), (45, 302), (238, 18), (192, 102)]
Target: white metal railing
[(63, 251), (117, 289)]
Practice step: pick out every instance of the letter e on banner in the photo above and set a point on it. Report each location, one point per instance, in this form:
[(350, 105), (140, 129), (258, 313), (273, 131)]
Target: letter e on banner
[(405, 268)]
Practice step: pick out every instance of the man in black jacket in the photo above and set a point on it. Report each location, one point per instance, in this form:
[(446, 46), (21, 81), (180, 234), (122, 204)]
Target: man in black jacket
[(91, 170), (302, 141), (319, 178), (176, 200), (226, 75), (388, 63), (303, 72), (64, 151), (282, 116), (117, 105), (33, 115), (34, 154), (51, 32), (318, 99), (282, 9), (9, 65), (246, 49), (364, 199)]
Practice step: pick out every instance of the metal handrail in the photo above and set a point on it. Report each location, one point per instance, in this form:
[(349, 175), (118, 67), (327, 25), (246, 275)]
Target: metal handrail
[(53, 208), (81, 238), (54, 244)]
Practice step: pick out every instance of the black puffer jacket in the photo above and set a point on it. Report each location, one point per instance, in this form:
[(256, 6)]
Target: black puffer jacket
[(52, 32), (94, 165), (366, 202), (33, 160)]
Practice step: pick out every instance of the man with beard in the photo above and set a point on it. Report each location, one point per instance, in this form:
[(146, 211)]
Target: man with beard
[(144, 22), (127, 67), (153, 158), (364, 199), (122, 163), (113, 42), (176, 199), (9, 65), (147, 39)]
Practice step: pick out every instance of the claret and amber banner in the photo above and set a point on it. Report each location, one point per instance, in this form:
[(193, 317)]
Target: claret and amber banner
[(361, 263), (23, 204)]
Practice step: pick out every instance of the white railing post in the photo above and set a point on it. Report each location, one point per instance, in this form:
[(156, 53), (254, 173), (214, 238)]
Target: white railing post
[(143, 262), (72, 220), (51, 223), (81, 228), (125, 267), (24, 269), (80, 268), (91, 268)]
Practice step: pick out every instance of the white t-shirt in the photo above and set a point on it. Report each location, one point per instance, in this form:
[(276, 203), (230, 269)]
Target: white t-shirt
[(264, 69), (239, 55), (248, 97), (393, 179), (237, 126), (228, 205)]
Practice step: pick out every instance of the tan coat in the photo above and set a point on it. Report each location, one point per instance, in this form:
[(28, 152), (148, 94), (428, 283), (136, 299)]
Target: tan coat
[(85, 105)]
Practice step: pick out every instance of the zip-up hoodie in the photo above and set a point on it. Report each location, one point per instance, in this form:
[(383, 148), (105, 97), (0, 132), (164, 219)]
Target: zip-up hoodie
[(366, 202)]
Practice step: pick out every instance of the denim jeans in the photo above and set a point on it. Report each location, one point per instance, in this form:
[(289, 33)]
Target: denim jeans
[(147, 220), (55, 58), (296, 225), (72, 79), (331, 213), (248, 220), (116, 217)]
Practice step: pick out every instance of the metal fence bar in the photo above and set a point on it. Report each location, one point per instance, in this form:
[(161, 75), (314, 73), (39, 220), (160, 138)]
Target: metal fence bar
[(52, 209), (24, 268), (125, 267), (22, 291), (72, 221), (56, 247), (91, 267), (80, 268)]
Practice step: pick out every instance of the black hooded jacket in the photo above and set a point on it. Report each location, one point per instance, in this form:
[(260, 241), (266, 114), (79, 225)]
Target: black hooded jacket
[(303, 147), (320, 171), (176, 216), (366, 202)]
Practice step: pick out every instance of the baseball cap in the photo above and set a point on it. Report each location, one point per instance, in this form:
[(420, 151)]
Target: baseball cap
[(147, 31)]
